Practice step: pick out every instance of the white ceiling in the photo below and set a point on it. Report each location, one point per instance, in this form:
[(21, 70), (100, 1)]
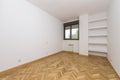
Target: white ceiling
[(71, 9)]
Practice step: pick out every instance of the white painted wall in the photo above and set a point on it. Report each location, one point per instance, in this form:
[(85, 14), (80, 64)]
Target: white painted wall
[(114, 34), (26, 33), (83, 34)]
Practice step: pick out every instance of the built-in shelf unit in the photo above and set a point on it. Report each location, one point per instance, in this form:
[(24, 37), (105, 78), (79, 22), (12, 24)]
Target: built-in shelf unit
[(100, 27), (97, 51), (97, 34), (97, 43)]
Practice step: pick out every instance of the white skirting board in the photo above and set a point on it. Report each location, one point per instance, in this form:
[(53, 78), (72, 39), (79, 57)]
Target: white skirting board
[(113, 66)]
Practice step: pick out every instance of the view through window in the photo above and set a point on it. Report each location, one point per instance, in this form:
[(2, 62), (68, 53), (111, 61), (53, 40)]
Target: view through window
[(71, 31)]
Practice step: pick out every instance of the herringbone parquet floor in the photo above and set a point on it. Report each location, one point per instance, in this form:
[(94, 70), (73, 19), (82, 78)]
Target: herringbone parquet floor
[(66, 66)]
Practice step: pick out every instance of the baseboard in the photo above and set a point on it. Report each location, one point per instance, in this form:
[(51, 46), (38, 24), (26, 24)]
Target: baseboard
[(75, 53), (83, 55), (9, 71), (113, 67), (69, 51)]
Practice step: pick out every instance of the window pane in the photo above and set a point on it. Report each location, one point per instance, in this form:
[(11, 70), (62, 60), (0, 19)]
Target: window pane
[(67, 32), (75, 32)]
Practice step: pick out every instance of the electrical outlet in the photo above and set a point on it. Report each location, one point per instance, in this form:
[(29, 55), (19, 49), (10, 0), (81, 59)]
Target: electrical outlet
[(19, 60)]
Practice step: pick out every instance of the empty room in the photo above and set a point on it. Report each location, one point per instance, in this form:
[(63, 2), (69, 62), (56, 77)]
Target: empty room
[(59, 39)]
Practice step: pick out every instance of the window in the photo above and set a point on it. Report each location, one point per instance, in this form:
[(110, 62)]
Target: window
[(71, 31)]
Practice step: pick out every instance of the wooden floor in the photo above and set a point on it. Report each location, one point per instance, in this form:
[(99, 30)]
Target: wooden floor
[(65, 66)]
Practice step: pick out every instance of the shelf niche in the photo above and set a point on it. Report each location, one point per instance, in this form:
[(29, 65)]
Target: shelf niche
[(97, 34)]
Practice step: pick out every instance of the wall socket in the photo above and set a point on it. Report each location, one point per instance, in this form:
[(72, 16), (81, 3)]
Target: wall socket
[(19, 60)]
